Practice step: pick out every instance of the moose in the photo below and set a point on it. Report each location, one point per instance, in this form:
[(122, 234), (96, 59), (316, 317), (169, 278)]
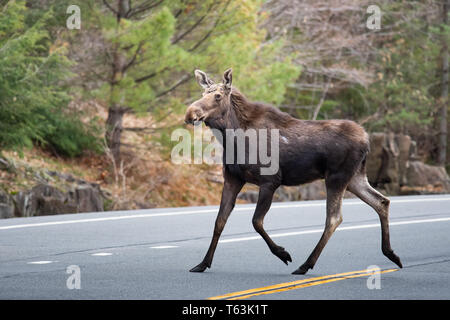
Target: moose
[(333, 150)]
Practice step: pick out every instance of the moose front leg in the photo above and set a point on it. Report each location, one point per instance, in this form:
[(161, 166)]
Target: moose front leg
[(231, 189), (262, 207)]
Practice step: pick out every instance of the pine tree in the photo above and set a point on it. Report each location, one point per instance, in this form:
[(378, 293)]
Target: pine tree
[(32, 97), (152, 48)]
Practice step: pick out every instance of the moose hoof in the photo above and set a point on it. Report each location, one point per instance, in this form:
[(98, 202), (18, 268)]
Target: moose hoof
[(200, 268), (283, 255), (395, 259), (302, 270), (389, 253)]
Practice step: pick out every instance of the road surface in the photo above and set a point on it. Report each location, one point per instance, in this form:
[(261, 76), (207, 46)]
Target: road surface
[(146, 254)]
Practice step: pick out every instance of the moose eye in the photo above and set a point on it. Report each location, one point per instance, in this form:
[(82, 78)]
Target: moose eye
[(218, 96)]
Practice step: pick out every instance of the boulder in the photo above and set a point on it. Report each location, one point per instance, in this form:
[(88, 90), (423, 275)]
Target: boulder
[(419, 174), (287, 194), (311, 191), (382, 164), (42, 199), (404, 148), (88, 198), (6, 211), (393, 165), (375, 157), (45, 199), (250, 196), (6, 205)]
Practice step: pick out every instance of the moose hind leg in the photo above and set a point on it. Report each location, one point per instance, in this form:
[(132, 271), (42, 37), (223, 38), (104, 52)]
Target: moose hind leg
[(262, 207), (333, 220), (362, 189)]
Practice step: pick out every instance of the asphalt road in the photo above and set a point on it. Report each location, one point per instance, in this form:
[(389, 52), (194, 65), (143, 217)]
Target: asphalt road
[(146, 254)]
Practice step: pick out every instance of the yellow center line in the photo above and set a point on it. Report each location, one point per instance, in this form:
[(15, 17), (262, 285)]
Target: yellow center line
[(280, 285), (298, 284)]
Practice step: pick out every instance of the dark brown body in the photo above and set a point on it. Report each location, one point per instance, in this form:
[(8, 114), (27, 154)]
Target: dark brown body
[(333, 150)]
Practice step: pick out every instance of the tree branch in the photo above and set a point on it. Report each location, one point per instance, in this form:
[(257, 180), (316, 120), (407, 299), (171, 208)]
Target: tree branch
[(133, 59), (183, 79), (212, 29), (151, 75), (144, 7), (109, 7), (196, 24), (322, 99)]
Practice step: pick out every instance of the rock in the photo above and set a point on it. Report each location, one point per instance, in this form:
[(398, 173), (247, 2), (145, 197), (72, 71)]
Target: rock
[(44, 199), (419, 174), (6, 205), (284, 193), (413, 151), (393, 165), (23, 204), (54, 193), (250, 196), (389, 171), (375, 157), (382, 161), (310, 191), (313, 191), (88, 199), (6, 211), (4, 197), (404, 147)]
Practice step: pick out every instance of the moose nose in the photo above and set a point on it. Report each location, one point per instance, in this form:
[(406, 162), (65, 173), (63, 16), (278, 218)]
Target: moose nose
[(193, 114)]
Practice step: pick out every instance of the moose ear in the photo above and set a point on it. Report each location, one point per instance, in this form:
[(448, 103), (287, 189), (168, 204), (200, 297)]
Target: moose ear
[(203, 79), (227, 78)]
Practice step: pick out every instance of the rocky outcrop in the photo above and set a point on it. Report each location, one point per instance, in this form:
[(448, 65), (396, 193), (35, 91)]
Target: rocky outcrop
[(6, 205), (45, 199), (54, 193), (394, 166), (311, 191)]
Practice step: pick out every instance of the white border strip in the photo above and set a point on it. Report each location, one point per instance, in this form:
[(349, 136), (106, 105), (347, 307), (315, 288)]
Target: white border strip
[(41, 262), (163, 247), (180, 213)]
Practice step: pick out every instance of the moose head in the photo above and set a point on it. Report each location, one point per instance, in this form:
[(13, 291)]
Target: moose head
[(215, 99)]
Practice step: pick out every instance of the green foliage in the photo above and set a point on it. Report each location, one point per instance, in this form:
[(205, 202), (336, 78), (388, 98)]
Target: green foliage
[(33, 97), (151, 57), (144, 45), (259, 70), (408, 80), (233, 40)]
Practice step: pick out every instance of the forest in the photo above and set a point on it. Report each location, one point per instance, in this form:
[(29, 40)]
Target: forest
[(91, 91)]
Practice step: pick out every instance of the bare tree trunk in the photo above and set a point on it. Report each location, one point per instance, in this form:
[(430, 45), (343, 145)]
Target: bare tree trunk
[(114, 121), (114, 131), (322, 99), (444, 92)]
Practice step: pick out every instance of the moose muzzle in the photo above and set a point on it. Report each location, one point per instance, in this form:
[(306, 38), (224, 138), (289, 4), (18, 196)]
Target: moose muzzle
[(194, 113)]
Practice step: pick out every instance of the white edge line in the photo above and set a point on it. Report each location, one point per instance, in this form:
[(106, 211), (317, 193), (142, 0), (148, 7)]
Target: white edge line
[(179, 213), (163, 247), (101, 254), (40, 262), (363, 226)]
